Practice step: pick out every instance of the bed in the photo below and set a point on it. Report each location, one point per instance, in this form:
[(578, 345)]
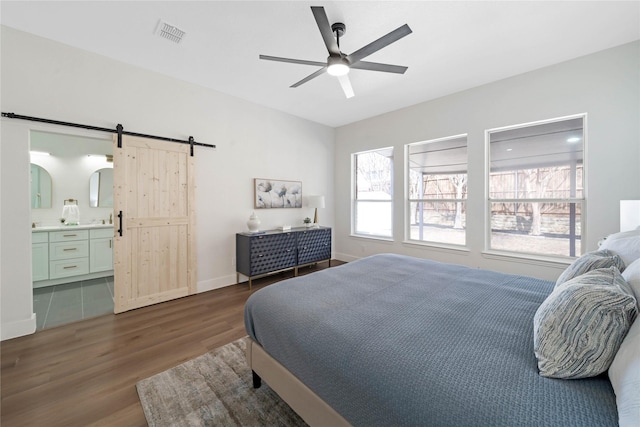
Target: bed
[(395, 340)]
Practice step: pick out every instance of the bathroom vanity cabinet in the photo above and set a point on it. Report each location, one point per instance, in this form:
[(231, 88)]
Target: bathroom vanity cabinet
[(71, 253)]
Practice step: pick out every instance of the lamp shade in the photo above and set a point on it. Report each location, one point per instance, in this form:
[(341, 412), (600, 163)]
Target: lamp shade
[(315, 201)]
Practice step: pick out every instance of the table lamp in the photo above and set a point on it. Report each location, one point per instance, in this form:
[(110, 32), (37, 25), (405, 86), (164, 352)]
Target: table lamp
[(315, 202)]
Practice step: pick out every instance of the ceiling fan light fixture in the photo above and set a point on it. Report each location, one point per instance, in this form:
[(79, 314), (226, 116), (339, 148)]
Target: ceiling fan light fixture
[(337, 66)]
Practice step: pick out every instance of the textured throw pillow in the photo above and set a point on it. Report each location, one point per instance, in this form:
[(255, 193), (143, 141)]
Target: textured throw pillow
[(579, 327), (590, 261), (624, 374), (632, 275), (627, 248)]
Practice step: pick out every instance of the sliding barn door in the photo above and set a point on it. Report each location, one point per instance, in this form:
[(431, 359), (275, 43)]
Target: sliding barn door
[(154, 188)]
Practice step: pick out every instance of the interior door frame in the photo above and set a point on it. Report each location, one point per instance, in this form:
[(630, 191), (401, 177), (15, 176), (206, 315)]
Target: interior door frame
[(27, 127)]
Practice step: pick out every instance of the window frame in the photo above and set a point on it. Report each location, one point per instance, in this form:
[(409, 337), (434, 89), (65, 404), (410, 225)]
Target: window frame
[(355, 199), (409, 200), (582, 202)]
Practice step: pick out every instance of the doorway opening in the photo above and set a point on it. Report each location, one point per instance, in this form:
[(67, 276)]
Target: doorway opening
[(72, 261)]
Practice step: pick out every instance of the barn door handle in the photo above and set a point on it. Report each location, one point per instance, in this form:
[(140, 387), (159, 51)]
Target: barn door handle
[(120, 223)]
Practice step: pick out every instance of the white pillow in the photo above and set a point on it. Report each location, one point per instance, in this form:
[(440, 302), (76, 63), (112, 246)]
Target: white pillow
[(624, 374), (626, 245), (632, 275), (623, 234)]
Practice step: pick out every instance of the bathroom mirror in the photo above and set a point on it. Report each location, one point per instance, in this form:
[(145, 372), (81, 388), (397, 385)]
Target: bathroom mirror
[(101, 188), (40, 188)]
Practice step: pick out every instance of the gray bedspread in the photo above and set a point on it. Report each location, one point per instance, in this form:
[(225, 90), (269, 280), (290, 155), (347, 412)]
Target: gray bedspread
[(392, 340)]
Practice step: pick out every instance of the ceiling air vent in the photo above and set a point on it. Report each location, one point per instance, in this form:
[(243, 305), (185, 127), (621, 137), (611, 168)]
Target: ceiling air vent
[(169, 32)]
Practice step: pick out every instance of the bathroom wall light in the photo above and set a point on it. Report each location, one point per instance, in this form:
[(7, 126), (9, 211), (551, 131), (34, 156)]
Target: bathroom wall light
[(107, 157), (39, 153)]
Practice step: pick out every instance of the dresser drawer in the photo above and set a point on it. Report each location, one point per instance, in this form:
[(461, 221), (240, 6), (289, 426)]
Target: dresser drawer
[(68, 235), (272, 252), (68, 267), (273, 261), (314, 246), (314, 237), (68, 250), (264, 245)]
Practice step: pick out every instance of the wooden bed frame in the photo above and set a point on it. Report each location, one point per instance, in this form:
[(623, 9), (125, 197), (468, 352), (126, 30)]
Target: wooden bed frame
[(311, 408)]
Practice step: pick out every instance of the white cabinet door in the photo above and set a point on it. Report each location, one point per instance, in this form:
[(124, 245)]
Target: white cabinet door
[(100, 255), (40, 261)]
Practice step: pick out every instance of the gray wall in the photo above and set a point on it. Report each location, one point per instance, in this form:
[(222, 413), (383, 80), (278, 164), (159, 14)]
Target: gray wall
[(43, 78), (605, 85)]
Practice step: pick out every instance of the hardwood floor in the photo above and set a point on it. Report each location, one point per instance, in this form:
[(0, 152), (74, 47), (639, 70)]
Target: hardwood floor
[(85, 373)]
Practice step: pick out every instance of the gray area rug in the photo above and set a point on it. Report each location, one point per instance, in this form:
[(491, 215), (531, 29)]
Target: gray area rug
[(214, 389)]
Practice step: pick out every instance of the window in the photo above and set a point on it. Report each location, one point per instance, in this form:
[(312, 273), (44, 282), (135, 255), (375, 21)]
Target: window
[(372, 208), (536, 187), (437, 190)]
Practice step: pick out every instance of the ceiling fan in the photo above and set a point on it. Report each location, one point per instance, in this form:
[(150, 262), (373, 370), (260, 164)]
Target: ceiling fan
[(338, 64)]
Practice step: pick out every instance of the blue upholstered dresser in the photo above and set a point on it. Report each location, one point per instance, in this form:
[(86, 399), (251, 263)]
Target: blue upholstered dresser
[(259, 254)]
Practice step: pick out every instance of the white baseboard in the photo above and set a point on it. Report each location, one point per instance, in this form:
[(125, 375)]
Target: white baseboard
[(221, 282), (217, 283), (346, 257), (18, 328)]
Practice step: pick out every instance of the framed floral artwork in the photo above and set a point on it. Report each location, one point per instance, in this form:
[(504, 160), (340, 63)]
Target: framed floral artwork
[(272, 193)]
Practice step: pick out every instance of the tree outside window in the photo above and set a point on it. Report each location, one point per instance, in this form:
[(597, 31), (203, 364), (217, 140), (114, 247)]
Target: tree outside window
[(372, 207), (438, 190), (536, 187)]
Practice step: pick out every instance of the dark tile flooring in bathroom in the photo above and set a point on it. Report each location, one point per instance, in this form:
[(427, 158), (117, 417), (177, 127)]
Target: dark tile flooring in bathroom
[(70, 302)]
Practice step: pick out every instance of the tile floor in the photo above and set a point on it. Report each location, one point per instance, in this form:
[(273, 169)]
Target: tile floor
[(70, 302)]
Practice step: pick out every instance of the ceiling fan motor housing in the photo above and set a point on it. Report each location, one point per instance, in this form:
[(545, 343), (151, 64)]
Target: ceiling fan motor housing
[(337, 65), (339, 29)]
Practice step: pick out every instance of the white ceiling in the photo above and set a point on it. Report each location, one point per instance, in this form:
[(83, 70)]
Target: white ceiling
[(455, 45)]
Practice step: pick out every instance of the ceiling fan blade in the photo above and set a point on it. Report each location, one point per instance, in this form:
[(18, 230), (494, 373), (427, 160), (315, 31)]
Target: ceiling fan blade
[(376, 45), (325, 30), (309, 77), (375, 66), (346, 85), (293, 61)]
